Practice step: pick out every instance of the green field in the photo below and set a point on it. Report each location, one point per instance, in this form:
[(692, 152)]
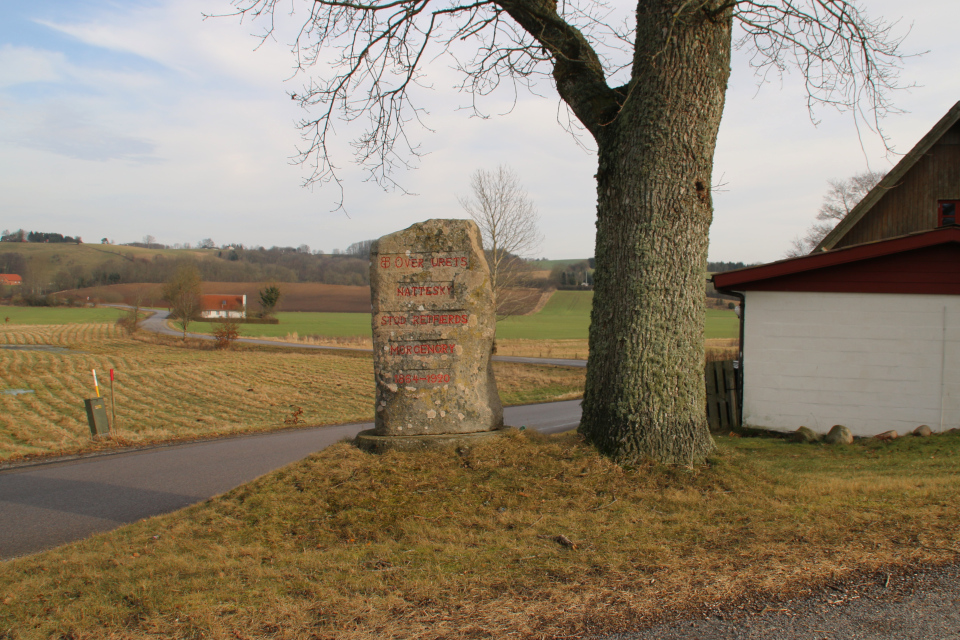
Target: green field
[(565, 317), (303, 323), (547, 265), (57, 315)]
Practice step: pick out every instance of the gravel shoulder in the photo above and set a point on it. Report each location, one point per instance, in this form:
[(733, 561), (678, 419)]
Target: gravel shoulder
[(906, 604)]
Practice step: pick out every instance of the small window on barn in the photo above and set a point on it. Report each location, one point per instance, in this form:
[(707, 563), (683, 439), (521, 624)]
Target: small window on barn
[(947, 213)]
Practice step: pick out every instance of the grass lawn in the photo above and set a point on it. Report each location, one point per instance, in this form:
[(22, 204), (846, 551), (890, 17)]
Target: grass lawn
[(57, 315), (524, 537), (166, 390)]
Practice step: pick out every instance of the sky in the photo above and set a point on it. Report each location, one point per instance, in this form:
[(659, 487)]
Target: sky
[(136, 118)]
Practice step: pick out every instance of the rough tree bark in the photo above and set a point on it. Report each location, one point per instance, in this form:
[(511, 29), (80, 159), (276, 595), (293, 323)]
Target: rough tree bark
[(644, 394), (645, 391)]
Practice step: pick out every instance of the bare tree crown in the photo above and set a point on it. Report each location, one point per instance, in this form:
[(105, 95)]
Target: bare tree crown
[(508, 222), (372, 58), (840, 199)]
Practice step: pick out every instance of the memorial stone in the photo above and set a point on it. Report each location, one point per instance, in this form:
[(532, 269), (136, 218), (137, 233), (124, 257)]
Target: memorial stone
[(433, 329)]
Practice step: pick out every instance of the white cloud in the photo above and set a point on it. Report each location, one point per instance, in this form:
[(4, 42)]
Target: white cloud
[(23, 65), (61, 130)]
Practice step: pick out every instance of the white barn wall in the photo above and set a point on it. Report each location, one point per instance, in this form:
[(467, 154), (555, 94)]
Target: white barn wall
[(872, 362)]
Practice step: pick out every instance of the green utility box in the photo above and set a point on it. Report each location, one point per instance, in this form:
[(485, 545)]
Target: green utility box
[(97, 417)]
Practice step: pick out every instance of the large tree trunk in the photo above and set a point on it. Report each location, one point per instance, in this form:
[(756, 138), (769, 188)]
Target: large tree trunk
[(644, 395)]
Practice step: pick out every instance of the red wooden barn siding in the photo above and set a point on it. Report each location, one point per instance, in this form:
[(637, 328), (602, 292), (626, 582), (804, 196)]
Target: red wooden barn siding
[(931, 270), (911, 205)]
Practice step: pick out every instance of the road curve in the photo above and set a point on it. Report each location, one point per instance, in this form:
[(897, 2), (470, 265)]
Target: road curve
[(52, 503)]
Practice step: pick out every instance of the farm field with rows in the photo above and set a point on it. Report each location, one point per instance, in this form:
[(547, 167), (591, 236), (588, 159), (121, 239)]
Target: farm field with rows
[(167, 389)]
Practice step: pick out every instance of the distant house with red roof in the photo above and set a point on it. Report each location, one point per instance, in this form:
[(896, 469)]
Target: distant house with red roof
[(10, 279), (217, 305)]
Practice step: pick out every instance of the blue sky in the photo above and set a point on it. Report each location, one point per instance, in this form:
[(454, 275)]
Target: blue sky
[(123, 119)]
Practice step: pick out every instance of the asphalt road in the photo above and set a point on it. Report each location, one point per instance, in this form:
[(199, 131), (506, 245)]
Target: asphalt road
[(45, 505)]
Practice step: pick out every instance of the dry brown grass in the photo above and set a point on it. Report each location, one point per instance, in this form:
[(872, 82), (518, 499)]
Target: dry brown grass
[(573, 349), (360, 342), (170, 390), (722, 349), (465, 544), (527, 384)]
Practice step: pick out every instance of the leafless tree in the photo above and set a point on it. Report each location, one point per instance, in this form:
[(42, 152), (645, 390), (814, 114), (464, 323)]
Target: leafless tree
[(508, 221), (650, 93), (840, 199), (360, 249), (135, 313), (182, 293)]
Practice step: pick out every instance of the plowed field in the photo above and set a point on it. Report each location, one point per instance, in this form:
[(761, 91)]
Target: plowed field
[(297, 296)]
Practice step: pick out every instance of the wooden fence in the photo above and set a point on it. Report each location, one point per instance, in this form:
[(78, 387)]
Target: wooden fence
[(722, 408)]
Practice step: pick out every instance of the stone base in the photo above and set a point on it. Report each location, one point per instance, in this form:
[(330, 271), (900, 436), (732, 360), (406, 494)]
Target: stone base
[(370, 441)]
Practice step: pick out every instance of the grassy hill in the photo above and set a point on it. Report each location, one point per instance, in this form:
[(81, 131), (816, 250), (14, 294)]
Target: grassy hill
[(44, 265), (44, 257)]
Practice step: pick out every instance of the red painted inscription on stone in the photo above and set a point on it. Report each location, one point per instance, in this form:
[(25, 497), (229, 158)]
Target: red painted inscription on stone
[(421, 378), (416, 291), (450, 261), (425, 319), (423, 349), (418, 262)]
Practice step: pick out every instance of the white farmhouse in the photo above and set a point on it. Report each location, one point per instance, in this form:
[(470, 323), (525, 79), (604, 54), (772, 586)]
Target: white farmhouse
[(216, 305)]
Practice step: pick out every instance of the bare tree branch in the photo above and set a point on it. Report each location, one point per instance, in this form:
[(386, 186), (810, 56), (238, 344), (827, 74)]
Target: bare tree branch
[(373, 55), (849, 61)]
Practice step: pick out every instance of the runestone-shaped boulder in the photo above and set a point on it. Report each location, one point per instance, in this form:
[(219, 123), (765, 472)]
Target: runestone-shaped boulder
[(433, 328)]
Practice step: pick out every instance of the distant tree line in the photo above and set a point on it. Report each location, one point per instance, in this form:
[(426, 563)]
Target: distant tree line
[(578, 275), (241, 265), (36, 236), (718, 267), (277, 264)]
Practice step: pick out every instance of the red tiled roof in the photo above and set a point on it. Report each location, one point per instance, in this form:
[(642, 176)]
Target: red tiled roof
[(220, 302), (10, 278)]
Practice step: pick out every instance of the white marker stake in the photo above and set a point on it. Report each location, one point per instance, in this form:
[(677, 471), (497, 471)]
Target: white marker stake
[(95, 385)]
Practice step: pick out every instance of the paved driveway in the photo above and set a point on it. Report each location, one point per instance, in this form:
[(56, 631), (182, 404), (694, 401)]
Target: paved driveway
[(48, 504)]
